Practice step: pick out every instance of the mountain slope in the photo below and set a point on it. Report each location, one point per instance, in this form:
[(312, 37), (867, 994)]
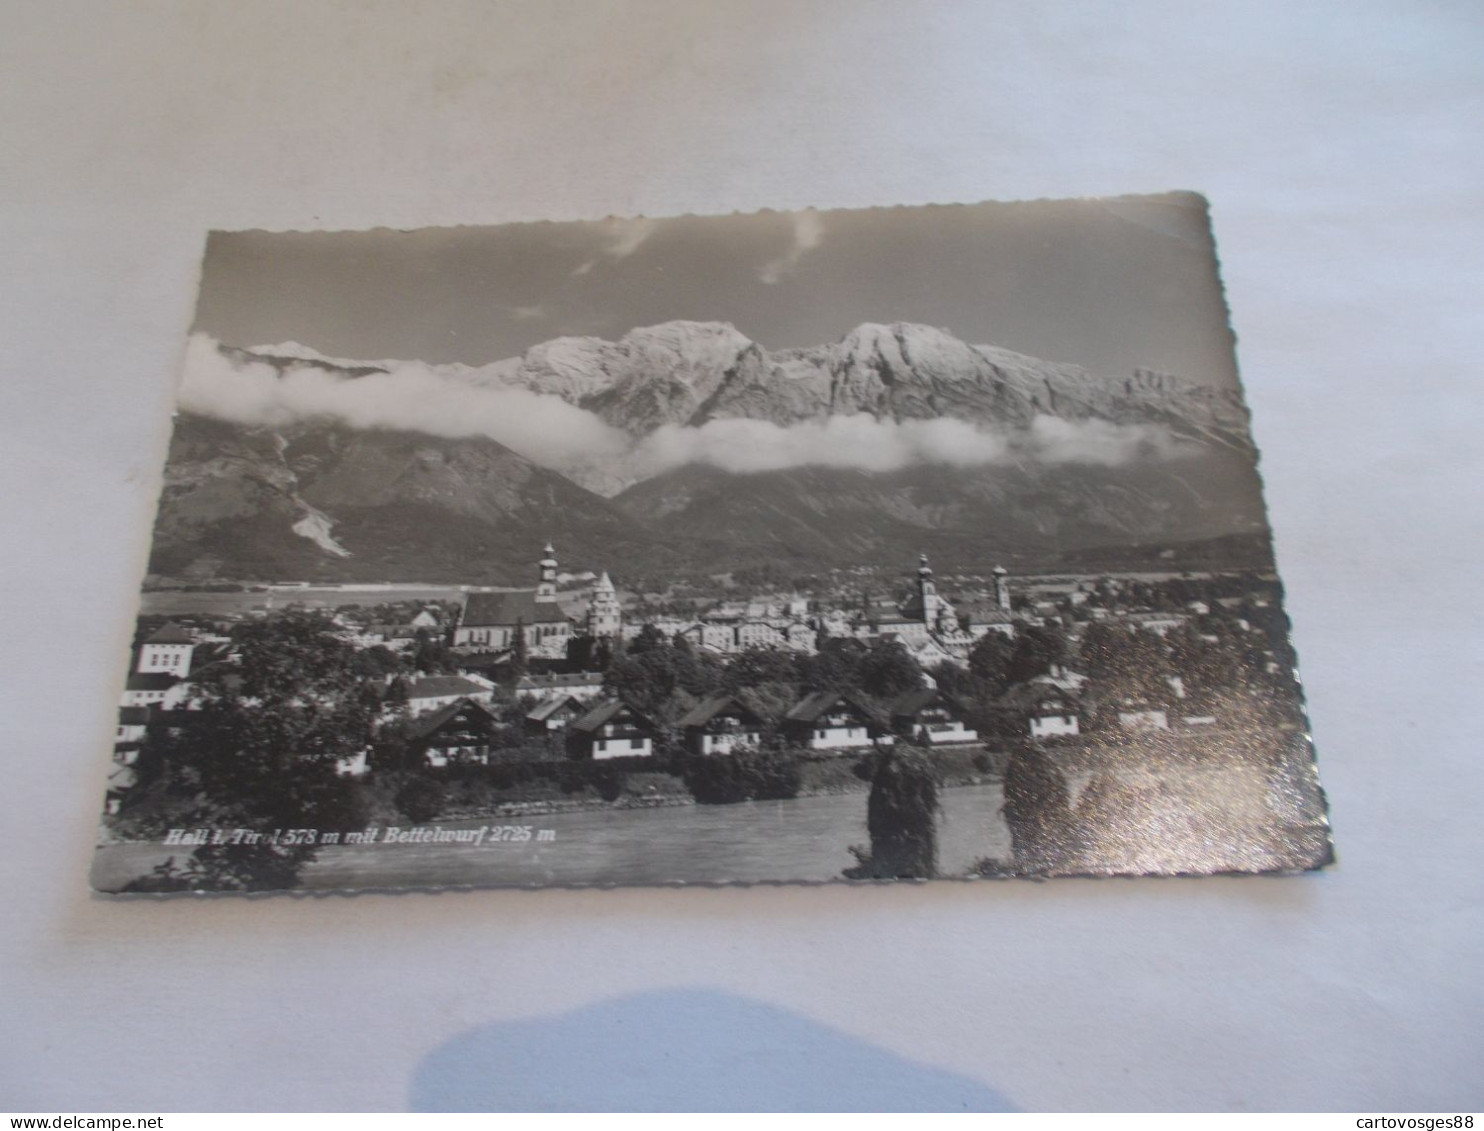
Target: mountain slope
[(966, 517), (320, 500), (397, 505)]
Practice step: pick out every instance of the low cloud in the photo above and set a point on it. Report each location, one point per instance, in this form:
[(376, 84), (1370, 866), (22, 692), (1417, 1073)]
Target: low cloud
[(864, 442), (808, 234), (857, 441), (1054, 440), (410, 396), (545, 429)]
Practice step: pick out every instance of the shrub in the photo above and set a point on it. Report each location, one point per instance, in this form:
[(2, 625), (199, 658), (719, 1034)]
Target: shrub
[(421, 799), (746, 774)]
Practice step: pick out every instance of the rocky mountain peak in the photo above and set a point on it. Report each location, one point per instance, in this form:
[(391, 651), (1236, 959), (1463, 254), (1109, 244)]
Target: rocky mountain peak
[(686, 373)]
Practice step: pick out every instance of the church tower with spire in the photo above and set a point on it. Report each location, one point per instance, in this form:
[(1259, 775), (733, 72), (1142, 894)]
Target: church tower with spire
[(605, 614), (546, 590)]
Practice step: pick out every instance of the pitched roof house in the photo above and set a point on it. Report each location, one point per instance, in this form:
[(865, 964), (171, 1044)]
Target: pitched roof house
[(459, 732), (833, 720), (144, 688), (432, 692), (931, 716), (168, 649), (559, 685), (611, 729), (720, 723), (1039, 709), (554, 714)]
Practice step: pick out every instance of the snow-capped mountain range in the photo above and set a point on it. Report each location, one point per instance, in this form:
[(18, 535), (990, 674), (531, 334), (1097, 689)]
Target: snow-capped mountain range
[(674, 477)]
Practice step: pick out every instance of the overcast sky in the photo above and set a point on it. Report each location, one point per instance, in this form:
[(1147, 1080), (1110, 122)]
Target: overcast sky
[(1114, 284)]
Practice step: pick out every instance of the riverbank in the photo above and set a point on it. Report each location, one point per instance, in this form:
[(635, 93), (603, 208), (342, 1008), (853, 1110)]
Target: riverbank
[(806, 839), (837, 787)]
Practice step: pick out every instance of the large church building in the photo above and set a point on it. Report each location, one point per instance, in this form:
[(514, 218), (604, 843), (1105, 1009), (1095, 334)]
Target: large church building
[(491, 621)]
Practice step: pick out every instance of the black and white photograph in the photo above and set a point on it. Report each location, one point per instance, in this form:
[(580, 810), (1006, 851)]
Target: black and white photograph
[(877, 544)]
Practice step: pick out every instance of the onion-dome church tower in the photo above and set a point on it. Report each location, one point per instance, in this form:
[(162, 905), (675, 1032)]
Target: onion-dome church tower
[(927, 591), (547, 589), (936, 613), (605, 614)]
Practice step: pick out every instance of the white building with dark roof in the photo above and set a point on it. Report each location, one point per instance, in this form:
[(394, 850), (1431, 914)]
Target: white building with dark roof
[(833, 720), (437, 691), (144, 689), (168, 649), (555, 714), (611, 729), (932, 716), (559, 685), (720, 723)]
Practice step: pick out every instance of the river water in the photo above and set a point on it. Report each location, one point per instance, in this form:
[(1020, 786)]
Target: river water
[(806, 839)]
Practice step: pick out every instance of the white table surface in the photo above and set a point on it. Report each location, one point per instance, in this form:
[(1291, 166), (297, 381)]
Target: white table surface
[(1340, 146)]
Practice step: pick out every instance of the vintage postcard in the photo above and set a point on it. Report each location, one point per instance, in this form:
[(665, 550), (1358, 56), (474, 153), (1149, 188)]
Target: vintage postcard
[(791, 547)]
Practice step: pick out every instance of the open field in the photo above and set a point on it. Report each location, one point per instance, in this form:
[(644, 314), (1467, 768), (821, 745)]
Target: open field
[(178, 602)]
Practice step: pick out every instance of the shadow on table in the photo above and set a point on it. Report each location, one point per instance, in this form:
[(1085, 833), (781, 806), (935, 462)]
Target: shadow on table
[(682, 1050)]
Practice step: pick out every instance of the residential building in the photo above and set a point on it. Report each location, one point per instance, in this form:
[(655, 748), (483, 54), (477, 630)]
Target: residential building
[(167, 650), (554, 714), (460, 732), (433, 692), (1039, 708), (132, 724), (143, 689), (721, 723), (931, 716), (833, 720), (611, 729), (559, 685)]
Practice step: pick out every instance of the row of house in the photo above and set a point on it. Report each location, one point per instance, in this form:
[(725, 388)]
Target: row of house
[(613, 728)]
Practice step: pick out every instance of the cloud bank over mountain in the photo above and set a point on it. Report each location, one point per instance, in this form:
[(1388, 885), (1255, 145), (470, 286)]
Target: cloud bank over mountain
[(608, 415), (864, 443), (406, 396)]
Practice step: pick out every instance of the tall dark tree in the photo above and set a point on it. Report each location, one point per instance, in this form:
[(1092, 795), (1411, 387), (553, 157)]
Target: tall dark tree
[(888, 670), (433, 655), (1036, 650), (662, 681), (834, 669), (519, 652), (990, 659), (581, 653), (649, 638), (901, 818), (1037, 809), (756, 666), (378, 660)]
